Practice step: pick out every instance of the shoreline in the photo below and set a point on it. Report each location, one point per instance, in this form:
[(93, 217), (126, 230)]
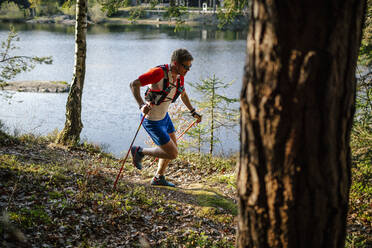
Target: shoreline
[(36, 86), (152, 18)]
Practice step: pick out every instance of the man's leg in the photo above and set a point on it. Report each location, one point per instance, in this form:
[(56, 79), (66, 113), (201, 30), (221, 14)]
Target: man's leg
[(160, 132), (163, 163), (167, 151)]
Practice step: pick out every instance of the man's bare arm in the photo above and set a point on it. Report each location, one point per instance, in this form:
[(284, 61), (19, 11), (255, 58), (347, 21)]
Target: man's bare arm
[(135, 87), (185, 99), (136, 91)]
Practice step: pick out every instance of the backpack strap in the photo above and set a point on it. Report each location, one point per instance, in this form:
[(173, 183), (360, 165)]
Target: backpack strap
[(179, 89), (166, 78)]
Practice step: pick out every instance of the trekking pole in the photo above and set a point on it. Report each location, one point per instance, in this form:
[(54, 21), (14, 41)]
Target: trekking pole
[(180, 136), (187, 129), (130, 147)]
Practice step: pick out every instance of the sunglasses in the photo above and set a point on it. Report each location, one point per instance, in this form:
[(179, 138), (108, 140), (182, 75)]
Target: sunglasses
[(186, 67)]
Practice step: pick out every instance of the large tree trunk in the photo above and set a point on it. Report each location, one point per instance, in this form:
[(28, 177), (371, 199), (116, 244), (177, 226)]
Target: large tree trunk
[(73, 125), (297, 106)]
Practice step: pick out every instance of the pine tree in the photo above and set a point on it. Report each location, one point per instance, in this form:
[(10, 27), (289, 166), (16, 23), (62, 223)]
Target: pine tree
[(217, 111)]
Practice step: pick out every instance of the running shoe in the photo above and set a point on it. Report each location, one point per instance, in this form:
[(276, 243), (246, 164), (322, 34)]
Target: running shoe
[(160, 181), (137, 156)]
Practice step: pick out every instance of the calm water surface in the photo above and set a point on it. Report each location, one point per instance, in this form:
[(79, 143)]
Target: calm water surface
[(116, 55)]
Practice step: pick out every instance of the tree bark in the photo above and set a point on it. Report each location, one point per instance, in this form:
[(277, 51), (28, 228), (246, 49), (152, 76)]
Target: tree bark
[(73, 125), (297, 107)]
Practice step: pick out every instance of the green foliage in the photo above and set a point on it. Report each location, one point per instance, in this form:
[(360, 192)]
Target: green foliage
[(95, 13), (34, 3), (153, 3), (217, 110), (231, 9), (111, 7), (21, 3), (69, 8), (11, 10), (197, 135), (46, 8), (136, 13), (11, 65), (365, 52), (175, 12)]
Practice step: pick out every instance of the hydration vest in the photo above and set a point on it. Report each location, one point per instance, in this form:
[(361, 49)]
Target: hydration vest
[(158, 96)]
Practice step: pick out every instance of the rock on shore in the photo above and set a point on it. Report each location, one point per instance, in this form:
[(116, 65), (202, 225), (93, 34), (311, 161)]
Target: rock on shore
[(60, 19), (36, 86)]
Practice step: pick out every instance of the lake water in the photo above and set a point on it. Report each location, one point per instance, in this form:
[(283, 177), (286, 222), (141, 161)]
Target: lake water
[(116, 55)]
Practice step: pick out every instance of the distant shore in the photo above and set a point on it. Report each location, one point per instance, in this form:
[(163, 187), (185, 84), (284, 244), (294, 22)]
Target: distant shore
[(150, 17), (36, 86)]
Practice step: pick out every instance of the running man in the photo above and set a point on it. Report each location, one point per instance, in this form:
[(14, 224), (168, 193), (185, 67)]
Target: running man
[(165, 84)]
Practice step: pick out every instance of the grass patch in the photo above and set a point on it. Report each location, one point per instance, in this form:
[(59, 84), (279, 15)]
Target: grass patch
[(28, 218), (59, 82), (356, 241), (210, 198), (191, 238), (360, 201), (55, 195), (229, 179), (361, 195), (210, 164)]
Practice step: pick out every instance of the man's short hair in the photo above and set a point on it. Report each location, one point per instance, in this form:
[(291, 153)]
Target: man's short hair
[(181, 55)]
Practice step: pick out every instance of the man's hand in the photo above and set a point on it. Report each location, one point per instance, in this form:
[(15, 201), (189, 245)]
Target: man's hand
[(197, 116), (145, 108)]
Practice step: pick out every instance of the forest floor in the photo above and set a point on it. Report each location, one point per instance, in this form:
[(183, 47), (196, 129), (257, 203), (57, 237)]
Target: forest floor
[(64, 198), (53, 197)]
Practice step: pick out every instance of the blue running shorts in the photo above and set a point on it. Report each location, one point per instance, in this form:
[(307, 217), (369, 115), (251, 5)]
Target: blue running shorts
[(159, 130)]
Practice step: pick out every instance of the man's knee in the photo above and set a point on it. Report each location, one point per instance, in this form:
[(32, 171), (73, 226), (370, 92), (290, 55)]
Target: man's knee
[(170, 149), (173, 154)]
